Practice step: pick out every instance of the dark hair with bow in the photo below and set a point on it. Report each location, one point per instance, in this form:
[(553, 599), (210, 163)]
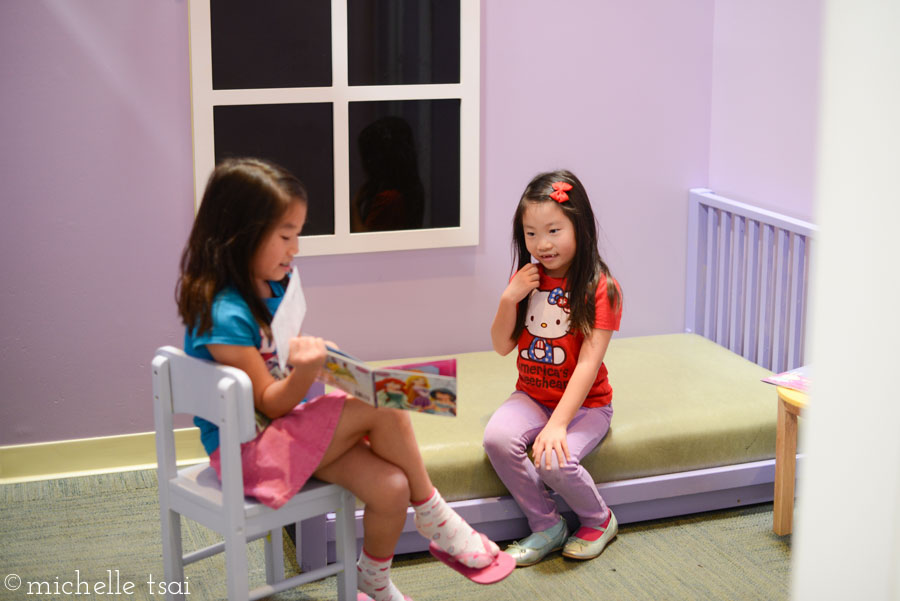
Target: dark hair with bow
[(244, 199), (587, 268)]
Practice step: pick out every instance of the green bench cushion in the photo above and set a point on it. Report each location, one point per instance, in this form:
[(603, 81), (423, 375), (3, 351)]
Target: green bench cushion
[(681, 403)]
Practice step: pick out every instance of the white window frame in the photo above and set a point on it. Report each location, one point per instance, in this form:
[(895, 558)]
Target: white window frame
[(204, 98)]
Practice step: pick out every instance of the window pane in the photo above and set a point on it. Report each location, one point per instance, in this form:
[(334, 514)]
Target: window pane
[(297, 136), (274, 44), (393, 42), (404, 165)]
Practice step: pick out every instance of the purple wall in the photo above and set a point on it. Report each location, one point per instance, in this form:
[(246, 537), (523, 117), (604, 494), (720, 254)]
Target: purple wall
[(765, 101), (97, 195), (97, 187)]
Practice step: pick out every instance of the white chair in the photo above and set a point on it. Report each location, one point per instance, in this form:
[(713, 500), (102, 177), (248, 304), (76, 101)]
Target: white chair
[(223, 396)]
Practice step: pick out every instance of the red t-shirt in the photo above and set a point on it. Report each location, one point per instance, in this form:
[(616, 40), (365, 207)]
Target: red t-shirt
[(548, 351)]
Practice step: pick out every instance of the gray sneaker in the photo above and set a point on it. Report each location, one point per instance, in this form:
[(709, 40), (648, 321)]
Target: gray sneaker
[(538, 545)]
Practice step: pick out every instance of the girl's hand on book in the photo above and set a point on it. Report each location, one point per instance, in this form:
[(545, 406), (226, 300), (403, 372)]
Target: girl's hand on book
[(307, 352), (526, 279)]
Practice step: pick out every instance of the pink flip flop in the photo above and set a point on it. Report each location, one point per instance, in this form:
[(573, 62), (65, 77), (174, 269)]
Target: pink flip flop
[(502, 566)]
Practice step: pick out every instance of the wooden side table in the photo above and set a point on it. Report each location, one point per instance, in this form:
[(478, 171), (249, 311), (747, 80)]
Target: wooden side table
[(790, 404)]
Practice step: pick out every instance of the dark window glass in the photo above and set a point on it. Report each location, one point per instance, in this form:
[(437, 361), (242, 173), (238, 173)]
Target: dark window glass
[(270, 44), (394, 42), (297, 136), (404, 165)]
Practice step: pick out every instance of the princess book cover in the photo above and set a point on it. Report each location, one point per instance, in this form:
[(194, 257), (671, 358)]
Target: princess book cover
[(428, 387), (424, 387)]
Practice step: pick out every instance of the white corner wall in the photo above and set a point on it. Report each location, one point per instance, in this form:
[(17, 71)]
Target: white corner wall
[(847, 535)]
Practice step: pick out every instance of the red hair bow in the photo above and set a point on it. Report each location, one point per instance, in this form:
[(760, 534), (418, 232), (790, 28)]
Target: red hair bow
[(559, 191)]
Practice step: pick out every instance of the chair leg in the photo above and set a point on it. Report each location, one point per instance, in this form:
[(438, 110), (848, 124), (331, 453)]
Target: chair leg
[(312, 538), (274, 547), (345, 546), (236, 566), (173, 563)]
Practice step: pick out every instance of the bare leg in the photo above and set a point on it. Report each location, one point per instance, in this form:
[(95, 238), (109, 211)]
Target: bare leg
[(387, 474), (392, 439), (384, 489)]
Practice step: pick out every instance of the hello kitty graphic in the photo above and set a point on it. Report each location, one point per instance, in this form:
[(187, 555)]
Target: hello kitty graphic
[(547, 319)]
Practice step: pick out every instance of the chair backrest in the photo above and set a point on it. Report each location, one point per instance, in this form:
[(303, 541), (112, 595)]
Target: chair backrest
[(185, 384)]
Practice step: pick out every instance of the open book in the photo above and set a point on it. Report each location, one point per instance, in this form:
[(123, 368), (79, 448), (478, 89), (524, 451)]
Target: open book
[(425, 387), (428, 387)]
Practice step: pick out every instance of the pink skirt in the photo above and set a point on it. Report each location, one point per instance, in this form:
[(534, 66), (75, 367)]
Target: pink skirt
[(279, 461)]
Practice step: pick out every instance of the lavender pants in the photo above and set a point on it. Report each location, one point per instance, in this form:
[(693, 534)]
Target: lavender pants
[(510, 432)]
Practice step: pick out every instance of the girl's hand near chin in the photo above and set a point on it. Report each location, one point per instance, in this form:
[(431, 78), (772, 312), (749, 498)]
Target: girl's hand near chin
[(526, 279)]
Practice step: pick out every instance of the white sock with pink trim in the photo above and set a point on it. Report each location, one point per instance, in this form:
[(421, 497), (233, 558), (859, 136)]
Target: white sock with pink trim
[(374, 578), (435, 520)]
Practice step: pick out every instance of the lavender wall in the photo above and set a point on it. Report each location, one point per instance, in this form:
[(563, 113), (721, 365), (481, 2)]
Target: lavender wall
[(97, 195), (765, 103), (618, 94), (97, 185)]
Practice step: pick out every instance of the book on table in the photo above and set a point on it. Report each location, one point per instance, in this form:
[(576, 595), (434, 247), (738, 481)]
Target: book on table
[(795, 379)]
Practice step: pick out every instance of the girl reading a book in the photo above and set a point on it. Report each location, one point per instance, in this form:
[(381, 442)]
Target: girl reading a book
[(559, 313), (234, 271)]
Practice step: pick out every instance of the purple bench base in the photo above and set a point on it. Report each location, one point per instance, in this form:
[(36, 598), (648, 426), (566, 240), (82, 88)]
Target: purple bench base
[(632, 500)]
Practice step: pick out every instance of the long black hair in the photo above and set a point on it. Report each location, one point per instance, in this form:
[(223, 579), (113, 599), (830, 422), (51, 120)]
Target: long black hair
[(243, 200), (587, 268)]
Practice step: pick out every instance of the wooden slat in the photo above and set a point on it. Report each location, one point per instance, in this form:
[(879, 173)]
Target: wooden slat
[(695, 266), (782, 293), (702, 270), (753, 288), (712, 278), (767, 298), (723, 299), (794, 331), (804, 299), (736, 341), (748, 272)]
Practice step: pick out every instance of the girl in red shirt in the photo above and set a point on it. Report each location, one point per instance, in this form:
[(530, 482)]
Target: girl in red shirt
[(559, 314)]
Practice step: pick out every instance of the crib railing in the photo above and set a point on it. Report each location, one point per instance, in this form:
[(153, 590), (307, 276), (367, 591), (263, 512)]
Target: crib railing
[(747, 279)]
